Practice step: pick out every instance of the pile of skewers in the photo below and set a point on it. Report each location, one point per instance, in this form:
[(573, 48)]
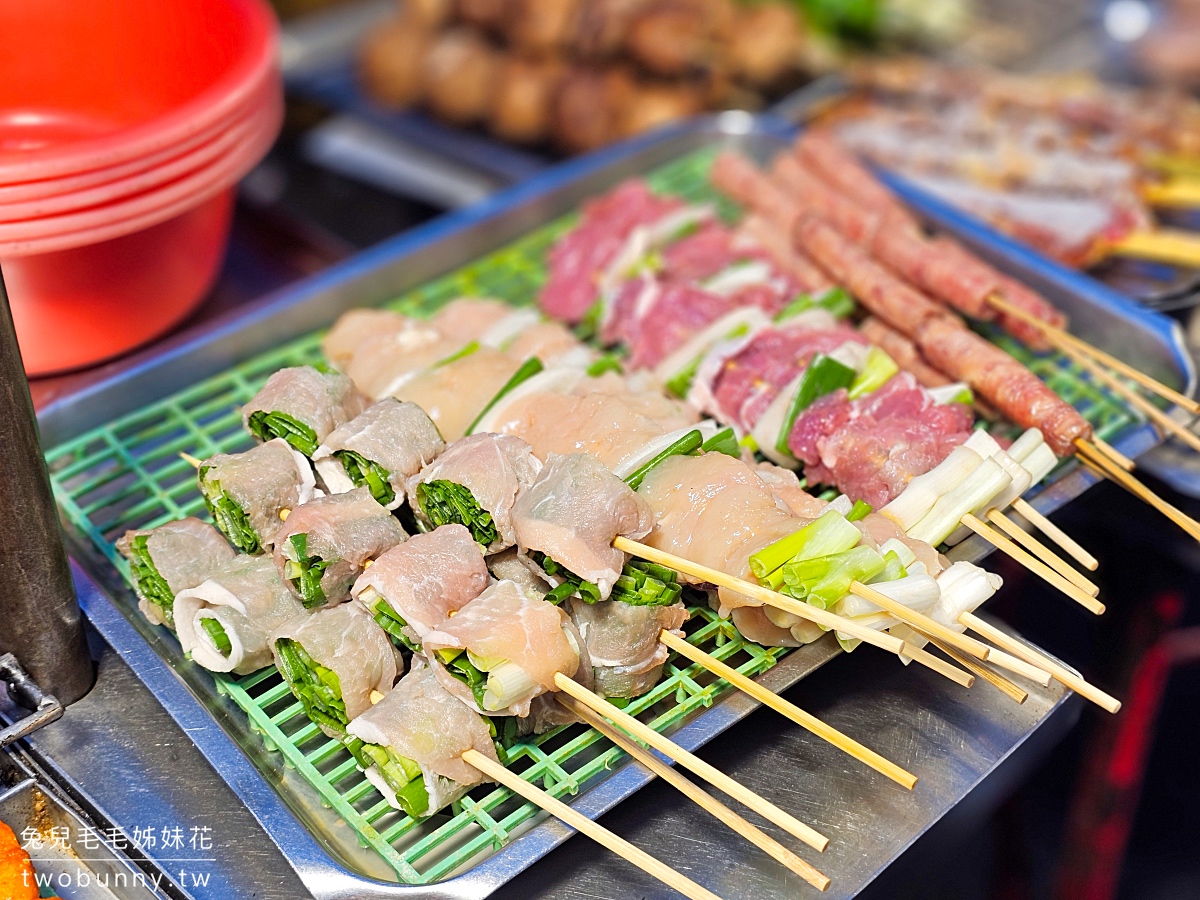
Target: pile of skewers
[(517, 519), (1070, 165), (582, 73)]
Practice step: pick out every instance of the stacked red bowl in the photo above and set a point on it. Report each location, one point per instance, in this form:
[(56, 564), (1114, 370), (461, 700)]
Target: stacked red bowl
[(124, 127)]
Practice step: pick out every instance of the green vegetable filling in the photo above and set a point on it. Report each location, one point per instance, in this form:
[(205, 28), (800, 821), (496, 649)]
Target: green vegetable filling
[(228, 515), (689, 443), (216, 634), (647, 584), (266, 425), (367, 473), (527, 370), (316, 687), (458, 665), (401, 774), (860, 510), (447, 503), (304, 573), (150, 582), (572, 585), (393, 623)]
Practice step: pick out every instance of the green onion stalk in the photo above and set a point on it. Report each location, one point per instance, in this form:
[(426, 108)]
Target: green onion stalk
[(400, 773), (525, 371), (229, 516), (216, 634), (267, 425), (459, 665), (688, 444), (824, 580), (645, 583), (150, 582), (390, 621), (860, 510), (447, 503), (316, 687), (828, 534), (724, 441), (572, 585), (304, 572), (822, 376), (367, 473)]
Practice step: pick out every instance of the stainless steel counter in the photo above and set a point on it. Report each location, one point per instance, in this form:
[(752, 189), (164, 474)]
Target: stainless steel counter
[(139, 770)]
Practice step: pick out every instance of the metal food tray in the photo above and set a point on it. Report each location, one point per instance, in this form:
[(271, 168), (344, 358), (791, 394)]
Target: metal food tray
[(329, 855)]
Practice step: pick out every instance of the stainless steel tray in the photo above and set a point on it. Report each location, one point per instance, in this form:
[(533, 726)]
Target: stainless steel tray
[(381, 274)]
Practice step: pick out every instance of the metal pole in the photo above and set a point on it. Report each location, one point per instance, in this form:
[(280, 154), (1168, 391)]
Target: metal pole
[(40, 620)]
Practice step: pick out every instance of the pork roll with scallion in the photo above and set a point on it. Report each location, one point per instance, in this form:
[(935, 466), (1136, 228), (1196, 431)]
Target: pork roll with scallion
[(410, 744), (302, 406), (415, 587), (335, 661), (567, 520), (623, 643), (502, 650), (475, 483), (246, 492), (226, 622), (171, 558), (379, 449), (322, 547)]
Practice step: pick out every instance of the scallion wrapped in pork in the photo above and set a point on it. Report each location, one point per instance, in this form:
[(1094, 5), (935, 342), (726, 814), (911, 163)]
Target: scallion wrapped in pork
[(623, 644), (502, 650), (415, 587), (334, 661), (475, 483), (324, 544), (246, 492), (302, 406), (226, 622), (380, 449), (171, 558), (410, 744)]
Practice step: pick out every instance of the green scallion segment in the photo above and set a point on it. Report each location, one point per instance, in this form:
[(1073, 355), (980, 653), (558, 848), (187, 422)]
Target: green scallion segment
[(216, 634), (825, 580), (367, 473), (400, 773), (877, 371), (150, 582), (393, 623), (305, 572), (267, 425), (229, 516), (461, 667), (572, 585), (527, 370), (724, 441), (645, 583), (824, 375), (316, 687), (448, 503), (609, 362), (827, 534), (689, 443), (681, 382), (589, 325), (837, 302), (860, 510)]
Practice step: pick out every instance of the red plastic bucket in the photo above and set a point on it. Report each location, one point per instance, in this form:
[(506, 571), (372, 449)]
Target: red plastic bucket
[(90, 84)]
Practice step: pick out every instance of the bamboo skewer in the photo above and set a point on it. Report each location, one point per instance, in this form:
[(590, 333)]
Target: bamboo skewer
[(583, 824), (1061, 673), (955, 674), (804, 719), (1015, 692), (701, 798), (1044, 553), (1103, 466), (709, 773), (1091, 604), (1113, 453), (191, 460), (1017, 666), (1166, 245), (1056, 534), (1059, 337), (921, 622)]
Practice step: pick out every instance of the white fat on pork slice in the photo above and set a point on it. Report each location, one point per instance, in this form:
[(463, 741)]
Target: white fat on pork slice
[(557, 380), (495, 468), (250, 600), (750, 318), (574, 511), (766, 431), (504, 623), (421, 721), (346, 640), (426, 579)]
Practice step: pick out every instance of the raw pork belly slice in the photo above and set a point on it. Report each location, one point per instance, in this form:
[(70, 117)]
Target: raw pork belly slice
[(700, 255), (346, 640), (249, 601), (873, 446), (623, 643), (426, 579), (495, 468), (340, 533), (315, 400), (399, 438), (680, 311), (573, 512), (503, 623), (455, 393), (578, 259), (177, 556), (421, 721)]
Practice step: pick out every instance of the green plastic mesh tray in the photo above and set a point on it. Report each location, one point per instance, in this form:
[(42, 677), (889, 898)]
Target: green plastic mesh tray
[(128, 474)]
